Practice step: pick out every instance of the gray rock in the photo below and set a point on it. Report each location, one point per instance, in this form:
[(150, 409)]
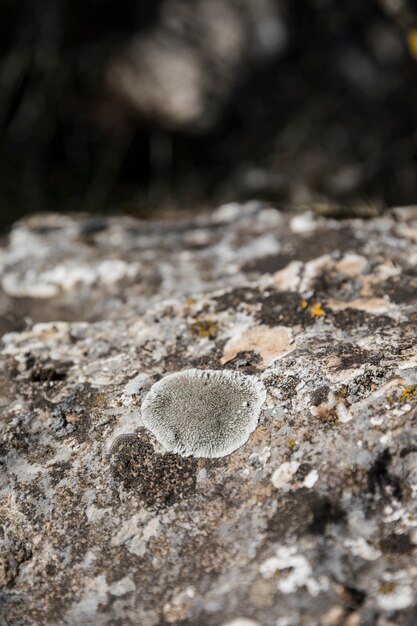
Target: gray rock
[(312, 522)]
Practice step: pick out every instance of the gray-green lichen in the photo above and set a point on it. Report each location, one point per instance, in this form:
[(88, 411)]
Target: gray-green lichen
[(203, 413)]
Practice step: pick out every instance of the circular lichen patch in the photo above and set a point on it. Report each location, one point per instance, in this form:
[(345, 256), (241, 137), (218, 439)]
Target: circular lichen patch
[(203, 413)]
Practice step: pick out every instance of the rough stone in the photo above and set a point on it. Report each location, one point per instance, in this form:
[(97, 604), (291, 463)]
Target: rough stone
[(312, 522)]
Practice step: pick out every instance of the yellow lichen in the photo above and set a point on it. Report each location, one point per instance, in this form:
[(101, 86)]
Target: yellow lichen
[(387, 588), (343, 391), (205, 328), (412, 43), (409, 393), (291, 443), (304, 304), (100, 400), (317, 310)]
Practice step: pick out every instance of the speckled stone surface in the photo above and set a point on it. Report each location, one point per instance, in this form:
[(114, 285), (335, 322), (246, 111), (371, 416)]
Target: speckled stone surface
[(313, 522)]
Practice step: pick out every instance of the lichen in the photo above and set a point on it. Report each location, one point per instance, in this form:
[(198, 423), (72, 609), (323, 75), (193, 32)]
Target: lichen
[(412, 43), (100, 400), (409, 393), (343, 391), (317, 310), (159, 480), (203, 413), (387, 587), (205, 328)]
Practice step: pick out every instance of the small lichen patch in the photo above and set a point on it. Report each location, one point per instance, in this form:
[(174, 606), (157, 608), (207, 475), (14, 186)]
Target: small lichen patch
[(317, 310), (270, 343), (409, 393), (343, 391), (412, 43), (314, 310), (203, 413), (393, 597), (158, 480), (100, 400), (70, 416), (388, 587), (207, 329)]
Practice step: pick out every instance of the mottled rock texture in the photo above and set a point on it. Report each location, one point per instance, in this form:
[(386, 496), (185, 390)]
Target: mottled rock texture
[(313, 522)]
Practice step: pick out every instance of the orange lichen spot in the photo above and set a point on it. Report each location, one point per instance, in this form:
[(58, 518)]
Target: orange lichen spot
[(205, 328), (317, 310), (409, 393), (304, 304), (412, 43)]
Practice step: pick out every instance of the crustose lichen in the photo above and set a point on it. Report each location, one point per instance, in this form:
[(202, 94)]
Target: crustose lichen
[(203, 413)]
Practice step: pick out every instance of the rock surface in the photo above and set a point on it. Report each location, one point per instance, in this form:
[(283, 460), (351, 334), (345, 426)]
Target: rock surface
[(312, 522)]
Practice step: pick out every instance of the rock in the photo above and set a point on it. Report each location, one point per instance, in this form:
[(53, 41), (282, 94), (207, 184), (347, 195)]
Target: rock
[(312, 521)]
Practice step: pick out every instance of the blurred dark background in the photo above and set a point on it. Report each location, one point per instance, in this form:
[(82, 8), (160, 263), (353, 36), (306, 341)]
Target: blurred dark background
[(155, 106)]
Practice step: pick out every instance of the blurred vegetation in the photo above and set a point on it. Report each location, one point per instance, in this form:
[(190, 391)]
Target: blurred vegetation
[(330, 117)]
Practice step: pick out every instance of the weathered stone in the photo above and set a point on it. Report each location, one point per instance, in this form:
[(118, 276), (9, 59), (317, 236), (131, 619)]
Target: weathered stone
[(312, 522)]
